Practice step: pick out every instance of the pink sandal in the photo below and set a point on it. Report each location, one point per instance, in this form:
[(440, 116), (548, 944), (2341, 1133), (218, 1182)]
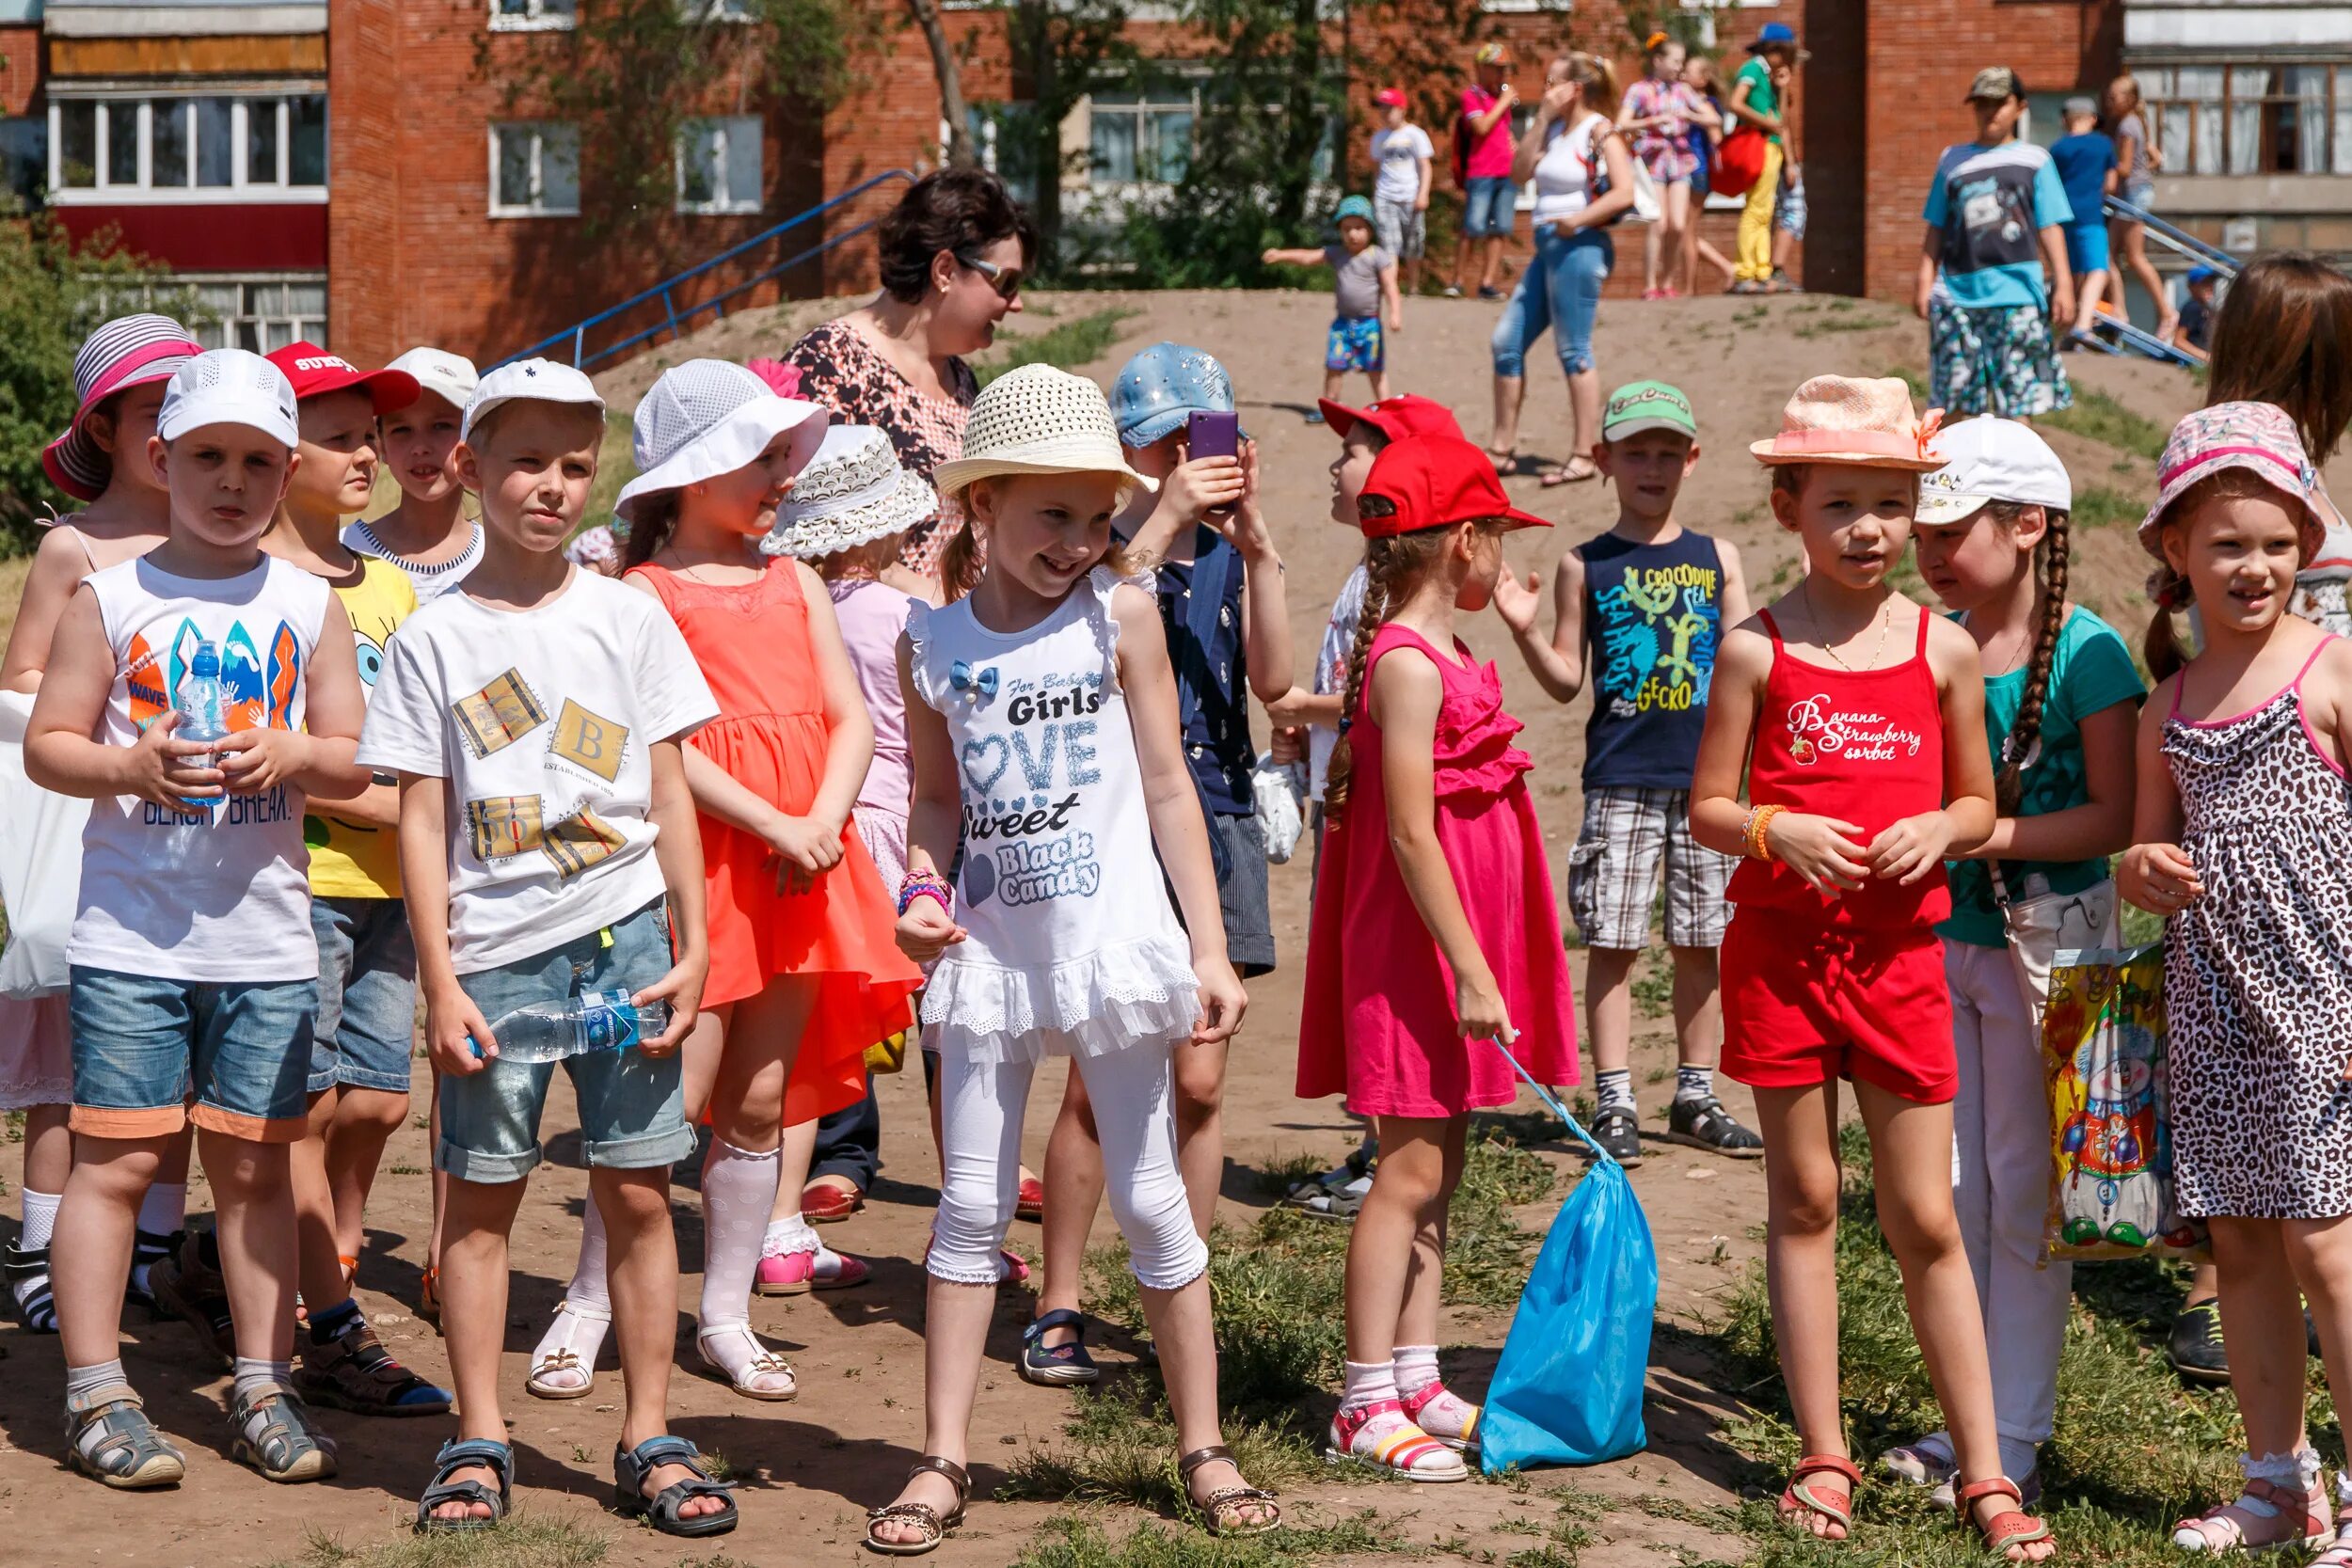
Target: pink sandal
[(1402, 1449), (1799, 1498), (2011, 1527), (2277, 1518)]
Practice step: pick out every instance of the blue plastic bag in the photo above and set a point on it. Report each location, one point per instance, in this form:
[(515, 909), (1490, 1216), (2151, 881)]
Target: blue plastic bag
[(1568, 1388)]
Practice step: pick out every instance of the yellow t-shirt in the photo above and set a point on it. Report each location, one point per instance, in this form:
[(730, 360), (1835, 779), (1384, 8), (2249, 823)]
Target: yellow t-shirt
[(355, 859)]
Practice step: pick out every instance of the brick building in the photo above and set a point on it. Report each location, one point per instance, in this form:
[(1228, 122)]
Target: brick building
[(375, 172)]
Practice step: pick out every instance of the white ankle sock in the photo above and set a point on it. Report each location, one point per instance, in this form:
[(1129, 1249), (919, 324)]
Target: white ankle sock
[(1416, 1368), (791, 1234), (40, 1219), (588, 1287), (738, 1195), (1368, 1384), (255, 1376), (165, 1208)]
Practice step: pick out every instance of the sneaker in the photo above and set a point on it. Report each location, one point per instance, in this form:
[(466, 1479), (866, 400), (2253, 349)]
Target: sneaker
[(1489, 293), (1452, 291), (1746, 286), (2195, 1349), (354, 1372), (186, 1287), (1615, 1130), (1783, 284), (1702, 1122), (1342, 1203)]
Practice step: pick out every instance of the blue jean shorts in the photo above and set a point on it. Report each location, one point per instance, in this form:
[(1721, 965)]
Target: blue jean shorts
[(1490, 206), (2087, 247), (1560, 292), (367, 1026), (143, 1043), (632, 1106)]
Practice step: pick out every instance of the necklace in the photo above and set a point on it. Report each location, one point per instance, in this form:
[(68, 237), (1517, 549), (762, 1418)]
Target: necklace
[(1885, 623)]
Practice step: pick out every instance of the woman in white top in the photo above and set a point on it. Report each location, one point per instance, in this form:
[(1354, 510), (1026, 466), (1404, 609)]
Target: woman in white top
[(1583, 181)]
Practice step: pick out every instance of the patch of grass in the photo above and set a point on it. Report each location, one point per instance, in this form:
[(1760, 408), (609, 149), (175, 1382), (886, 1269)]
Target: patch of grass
[(2100, 507), (1120, 1446), (1750, 316), (2097, 417), (1066, 344), (522, 1542), (1277, 1178), (1653, 986), (616, 464), (1071, 1543), (1839, 324)]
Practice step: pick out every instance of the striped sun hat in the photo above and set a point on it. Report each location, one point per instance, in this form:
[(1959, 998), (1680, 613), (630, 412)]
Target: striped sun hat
[(128, 351)]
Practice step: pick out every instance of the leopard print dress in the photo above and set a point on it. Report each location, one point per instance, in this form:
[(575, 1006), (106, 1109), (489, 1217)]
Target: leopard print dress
[(2257, 972)]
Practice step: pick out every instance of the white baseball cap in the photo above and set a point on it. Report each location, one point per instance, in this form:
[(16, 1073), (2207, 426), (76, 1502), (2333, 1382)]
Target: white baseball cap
[(1991, 460), (535, 380), (230, 386), (451, 377)]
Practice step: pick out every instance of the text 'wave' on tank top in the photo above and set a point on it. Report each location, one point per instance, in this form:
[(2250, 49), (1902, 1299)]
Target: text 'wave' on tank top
[(1863, 746), (1652, 619)]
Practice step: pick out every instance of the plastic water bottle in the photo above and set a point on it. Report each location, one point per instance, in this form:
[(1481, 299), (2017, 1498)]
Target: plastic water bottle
[(601, 1021), (203, 712)]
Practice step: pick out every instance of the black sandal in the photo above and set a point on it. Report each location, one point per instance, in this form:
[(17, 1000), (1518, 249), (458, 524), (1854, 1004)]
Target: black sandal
[(463, 1455), (1215, 1507), (935, 1526), (630, 1467)]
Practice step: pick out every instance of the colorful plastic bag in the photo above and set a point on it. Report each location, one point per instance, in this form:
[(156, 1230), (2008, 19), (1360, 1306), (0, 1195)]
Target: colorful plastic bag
[(1568, 1388), (2105, 1050)]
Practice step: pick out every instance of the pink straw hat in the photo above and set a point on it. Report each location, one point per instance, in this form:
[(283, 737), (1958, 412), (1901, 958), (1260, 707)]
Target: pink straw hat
[(1864, 421), (128, 351), (2256, 437)]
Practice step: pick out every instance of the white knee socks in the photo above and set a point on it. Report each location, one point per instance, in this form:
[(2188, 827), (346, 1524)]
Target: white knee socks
[(738, 1194), (588, 1287)]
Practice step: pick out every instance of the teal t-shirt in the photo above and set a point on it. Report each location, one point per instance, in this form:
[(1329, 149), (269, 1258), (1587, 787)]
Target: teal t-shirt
[(2090, 672)]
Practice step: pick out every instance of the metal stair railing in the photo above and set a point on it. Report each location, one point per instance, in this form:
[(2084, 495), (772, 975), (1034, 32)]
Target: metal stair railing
[(677, 317), (2178, 240)]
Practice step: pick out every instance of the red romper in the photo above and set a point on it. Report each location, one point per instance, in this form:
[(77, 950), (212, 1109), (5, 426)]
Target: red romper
[(1815, 987)]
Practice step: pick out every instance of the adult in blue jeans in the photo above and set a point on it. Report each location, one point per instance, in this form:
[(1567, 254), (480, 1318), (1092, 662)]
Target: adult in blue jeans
[(1482, 166), (1583, 181)]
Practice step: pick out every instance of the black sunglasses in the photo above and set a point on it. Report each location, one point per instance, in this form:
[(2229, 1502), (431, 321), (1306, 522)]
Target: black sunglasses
[(1004, 280)]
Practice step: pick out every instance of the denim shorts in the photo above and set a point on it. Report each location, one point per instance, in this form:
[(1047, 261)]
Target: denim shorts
[(1490, 206), (367, 1026), (632, 1106), (1560, 292), (142, 1043)]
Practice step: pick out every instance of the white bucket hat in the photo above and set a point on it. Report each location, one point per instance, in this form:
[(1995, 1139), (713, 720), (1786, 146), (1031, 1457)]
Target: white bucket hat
[(851, 493), (711, 417), (1039, 420)]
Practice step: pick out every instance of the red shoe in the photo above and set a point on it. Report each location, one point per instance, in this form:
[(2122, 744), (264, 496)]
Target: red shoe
[(825, 1202), (1031, 1204)]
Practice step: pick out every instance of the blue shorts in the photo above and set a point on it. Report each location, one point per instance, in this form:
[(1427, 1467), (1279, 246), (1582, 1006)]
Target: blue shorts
[(2087, 247), (367, 1026), (142, 1042), (632, 1106), (1490, 206), (1355, 343)]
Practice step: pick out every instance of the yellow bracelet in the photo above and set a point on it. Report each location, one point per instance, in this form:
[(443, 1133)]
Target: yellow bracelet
[(1759, 820)]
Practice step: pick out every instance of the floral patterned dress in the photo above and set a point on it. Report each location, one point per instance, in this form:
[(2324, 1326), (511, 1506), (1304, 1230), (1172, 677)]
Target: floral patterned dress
[(842, 369)]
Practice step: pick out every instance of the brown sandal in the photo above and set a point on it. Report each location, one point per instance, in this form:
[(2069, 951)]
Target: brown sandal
[(1227, 1501), (2012, 1527), (935, 1526)]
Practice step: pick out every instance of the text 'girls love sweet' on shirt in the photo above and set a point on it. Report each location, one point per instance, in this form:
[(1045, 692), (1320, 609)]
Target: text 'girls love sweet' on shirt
[(348, 859), (1398, 155), (218, 894), (1653, 617), (1992, 204), (2090, 671), (430, 582), (542, 720)]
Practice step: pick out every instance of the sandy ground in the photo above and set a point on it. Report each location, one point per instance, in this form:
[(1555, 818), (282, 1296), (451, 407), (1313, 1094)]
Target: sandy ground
[(811, 1467)]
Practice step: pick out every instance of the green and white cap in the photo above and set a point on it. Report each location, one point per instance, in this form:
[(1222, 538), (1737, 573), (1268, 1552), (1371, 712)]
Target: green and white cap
[(1640, 406)]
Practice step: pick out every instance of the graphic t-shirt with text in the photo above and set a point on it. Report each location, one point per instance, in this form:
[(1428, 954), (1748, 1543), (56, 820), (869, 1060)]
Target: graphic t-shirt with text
[(1653, 617)]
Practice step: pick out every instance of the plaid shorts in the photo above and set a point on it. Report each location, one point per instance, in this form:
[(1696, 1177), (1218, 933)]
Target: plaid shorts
[(1788, 209), (1613, 871), (1997, 360), (1355, 345)]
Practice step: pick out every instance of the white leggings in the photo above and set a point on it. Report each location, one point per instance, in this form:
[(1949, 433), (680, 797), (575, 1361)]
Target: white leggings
[(980, 1106)]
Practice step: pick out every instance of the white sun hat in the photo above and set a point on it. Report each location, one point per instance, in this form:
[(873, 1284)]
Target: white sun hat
[(1989, 460), (449, 376), (852, 492), (1039, 420), (711, 417)]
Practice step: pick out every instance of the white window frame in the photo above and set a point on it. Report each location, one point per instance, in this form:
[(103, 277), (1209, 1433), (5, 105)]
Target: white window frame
[(1141, 112), (717, 10), (539, 16), (145, 192), (535, 208), (723, 130)]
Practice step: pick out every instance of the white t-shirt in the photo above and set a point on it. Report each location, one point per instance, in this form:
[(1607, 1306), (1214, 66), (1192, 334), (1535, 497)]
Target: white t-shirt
[(1397, 154), (1564, 176), (218, 895), (1339, 636), (430, 582), (541, 719)]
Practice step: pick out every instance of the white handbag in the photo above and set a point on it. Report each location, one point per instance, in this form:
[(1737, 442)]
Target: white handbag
[(40, 864)]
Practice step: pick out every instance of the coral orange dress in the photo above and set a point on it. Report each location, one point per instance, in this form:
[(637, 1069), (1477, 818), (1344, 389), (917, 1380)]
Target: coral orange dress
[(752, 640)]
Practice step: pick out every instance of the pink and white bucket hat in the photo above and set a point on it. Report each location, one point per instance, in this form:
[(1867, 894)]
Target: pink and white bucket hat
[(128, 351), (2256, 437)]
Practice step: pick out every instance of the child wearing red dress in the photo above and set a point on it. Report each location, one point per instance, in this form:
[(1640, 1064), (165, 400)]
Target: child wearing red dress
[(1859, 721), (1421, 955)]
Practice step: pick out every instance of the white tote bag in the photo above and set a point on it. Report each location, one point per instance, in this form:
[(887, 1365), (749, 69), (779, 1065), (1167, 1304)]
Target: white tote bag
[(40, 864)]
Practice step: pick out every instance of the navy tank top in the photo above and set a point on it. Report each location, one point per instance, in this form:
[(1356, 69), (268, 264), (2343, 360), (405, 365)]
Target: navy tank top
[(1653, 617)]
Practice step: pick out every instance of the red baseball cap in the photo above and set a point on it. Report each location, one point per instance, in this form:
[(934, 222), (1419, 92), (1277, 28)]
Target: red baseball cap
[(1393, 98), (315, 372), (1424, 481), (1395, 418)]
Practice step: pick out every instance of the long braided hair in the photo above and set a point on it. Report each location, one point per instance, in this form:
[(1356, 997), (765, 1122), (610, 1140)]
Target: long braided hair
[(2025, 730), (1393, 568)]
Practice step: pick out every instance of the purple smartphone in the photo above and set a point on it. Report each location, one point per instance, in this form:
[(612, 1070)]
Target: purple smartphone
[(1211, 435)]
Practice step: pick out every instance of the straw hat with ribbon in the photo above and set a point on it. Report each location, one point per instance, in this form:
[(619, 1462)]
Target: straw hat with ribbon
[(1038, 420), (1864, 421)]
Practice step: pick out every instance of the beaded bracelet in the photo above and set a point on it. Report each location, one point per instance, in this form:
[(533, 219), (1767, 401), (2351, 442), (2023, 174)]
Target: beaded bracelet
[(1759, 819), (925, 884)]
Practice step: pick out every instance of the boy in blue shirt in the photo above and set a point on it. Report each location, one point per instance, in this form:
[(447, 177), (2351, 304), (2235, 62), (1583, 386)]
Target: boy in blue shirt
[(2084, 157), (1995, 217)]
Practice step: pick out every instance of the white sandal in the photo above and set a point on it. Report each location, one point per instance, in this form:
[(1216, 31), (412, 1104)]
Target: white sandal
[(763, 1363), (568, 1350)]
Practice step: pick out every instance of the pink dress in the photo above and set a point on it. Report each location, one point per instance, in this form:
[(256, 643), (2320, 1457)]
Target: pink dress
[(1378, 1021)]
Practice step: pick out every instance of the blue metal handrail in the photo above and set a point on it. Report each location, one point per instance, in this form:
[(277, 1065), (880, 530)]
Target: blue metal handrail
[(675, 317), (2177, 239)]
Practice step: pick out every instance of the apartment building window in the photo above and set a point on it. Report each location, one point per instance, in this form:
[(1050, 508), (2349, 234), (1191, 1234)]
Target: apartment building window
[(719, 165), (260, 315), (2232, 118), (534, 169), (1141, 137), (532, 16), (24, 157), (160, 149)]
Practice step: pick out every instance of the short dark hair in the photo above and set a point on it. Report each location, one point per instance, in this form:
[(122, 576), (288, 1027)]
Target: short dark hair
[(956, 209)]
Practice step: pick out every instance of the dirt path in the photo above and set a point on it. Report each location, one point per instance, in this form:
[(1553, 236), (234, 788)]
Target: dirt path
[(809, 1468)]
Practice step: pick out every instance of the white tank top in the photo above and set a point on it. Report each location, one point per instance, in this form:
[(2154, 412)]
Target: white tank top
[(1564, 176), (1072, 948), (204, 895)]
